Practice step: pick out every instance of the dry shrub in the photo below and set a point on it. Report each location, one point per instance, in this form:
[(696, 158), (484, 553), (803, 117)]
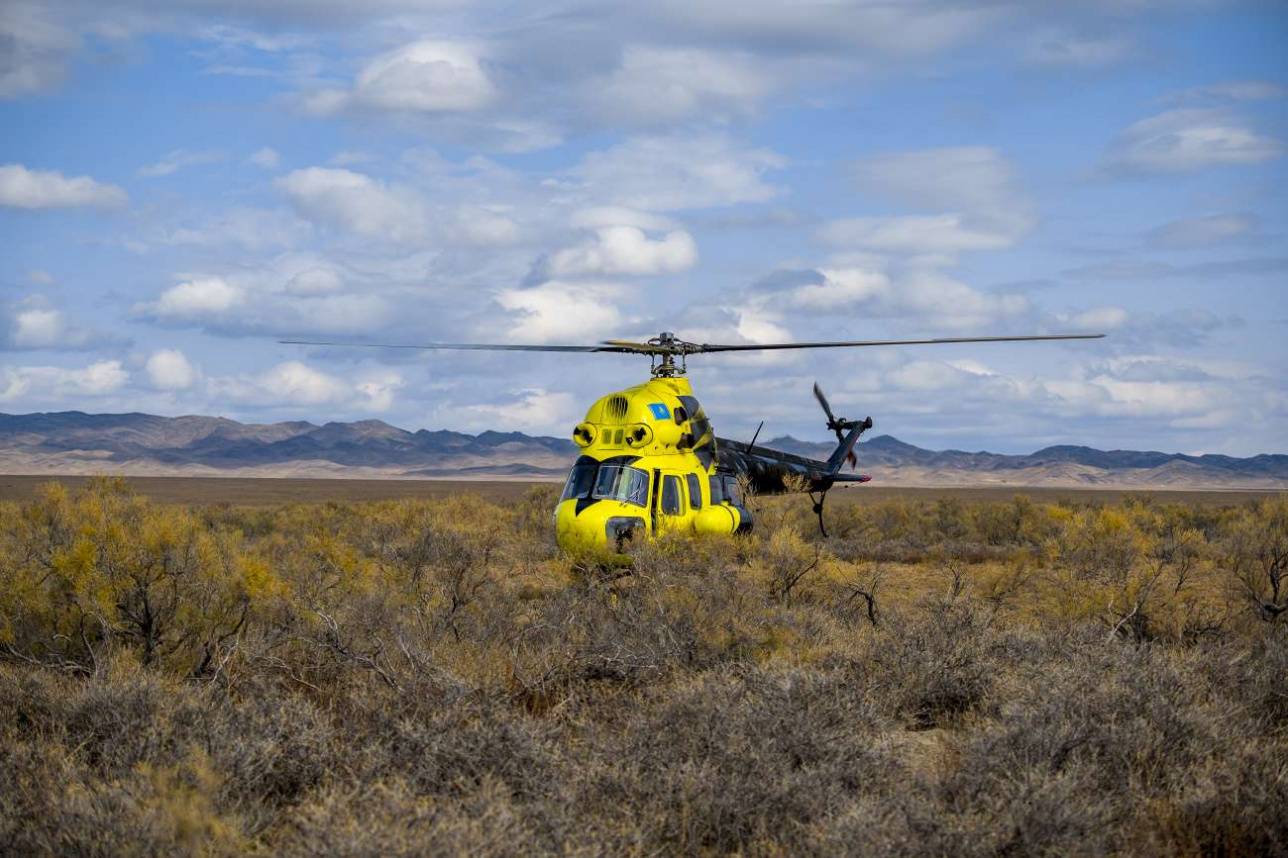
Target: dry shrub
[(432, 677), (936, 665), (105, 567), (739, 759), (392, 818)]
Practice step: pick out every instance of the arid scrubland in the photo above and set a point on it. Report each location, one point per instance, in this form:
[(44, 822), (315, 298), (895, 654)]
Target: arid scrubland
[(421, 677)]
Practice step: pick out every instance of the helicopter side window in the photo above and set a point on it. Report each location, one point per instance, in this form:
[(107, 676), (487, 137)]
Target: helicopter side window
[(732, 492), (695, 490), (716, 484), (618, 482), (670, 495), (580, 480)]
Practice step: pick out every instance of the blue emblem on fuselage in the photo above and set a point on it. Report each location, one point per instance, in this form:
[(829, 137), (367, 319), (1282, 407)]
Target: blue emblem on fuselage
[(660, 411)]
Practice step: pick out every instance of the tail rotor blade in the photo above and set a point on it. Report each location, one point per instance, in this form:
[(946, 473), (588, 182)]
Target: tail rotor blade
[(832, 422), (822, 400)]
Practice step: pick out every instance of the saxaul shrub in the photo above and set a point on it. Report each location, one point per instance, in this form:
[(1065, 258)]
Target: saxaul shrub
[(106, 567), (937, 663), (1255, 553)]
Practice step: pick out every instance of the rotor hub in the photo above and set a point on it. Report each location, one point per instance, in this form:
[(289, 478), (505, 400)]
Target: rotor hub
[(664, 348)]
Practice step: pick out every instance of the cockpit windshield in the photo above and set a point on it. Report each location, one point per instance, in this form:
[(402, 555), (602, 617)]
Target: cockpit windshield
[(580, 480), (590, 479), (623, 483)]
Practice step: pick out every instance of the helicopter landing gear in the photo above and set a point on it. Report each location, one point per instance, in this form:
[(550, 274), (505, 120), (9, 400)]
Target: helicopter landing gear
[(818, 510)]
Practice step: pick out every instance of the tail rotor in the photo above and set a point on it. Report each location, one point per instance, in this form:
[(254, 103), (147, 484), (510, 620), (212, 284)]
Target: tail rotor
[(838, 425)]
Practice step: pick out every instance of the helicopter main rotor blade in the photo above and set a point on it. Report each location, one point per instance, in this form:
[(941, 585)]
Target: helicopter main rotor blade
[(485, 347), (842, 344), (631, 346), (669, 346)]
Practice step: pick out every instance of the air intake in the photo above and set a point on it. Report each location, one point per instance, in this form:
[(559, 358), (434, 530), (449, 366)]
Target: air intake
[(615, 408)]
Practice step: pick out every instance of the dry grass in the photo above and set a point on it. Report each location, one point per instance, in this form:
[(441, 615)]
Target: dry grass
[(430, 676)]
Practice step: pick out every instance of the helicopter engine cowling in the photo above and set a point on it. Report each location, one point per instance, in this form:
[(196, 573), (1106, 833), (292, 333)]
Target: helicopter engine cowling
[(583, 434), (638, 436)]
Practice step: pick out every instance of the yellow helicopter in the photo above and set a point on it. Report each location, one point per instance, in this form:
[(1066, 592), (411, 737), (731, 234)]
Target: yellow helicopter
[(650, 462)]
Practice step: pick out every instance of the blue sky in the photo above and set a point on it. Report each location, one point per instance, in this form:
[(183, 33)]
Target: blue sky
[(183, 185)]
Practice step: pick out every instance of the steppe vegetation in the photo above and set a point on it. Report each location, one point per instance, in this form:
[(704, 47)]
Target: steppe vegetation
[(421, 677)]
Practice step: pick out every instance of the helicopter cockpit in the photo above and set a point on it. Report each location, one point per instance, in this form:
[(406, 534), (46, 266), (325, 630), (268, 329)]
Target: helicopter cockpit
[(595, 480)]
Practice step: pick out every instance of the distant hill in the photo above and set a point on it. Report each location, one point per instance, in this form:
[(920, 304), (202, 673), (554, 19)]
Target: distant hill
[(1060, 465), (72, 442), (144, 444)]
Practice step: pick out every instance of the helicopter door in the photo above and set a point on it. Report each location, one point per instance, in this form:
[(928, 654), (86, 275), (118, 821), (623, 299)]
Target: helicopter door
[(670, 504)]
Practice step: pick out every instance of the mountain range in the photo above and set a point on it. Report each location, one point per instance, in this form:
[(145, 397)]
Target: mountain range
[(72, 442)]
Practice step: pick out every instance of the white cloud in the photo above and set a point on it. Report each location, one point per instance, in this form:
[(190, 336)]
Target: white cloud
[(626, 250), (561, 311), (315, 281), (599, 216), (349, 158), (267, 157), (849, 26), (326, 314), (377, 392), (1106, 396), (169, 369), (485, 227), (841, 288), (298, 383), (251, 228), (1174, 393), (53, 383), (176, 160), (1097, 319), (1234, 90), (1054, 48), (988, 209), (756, 325), (921, 234), (40, 277), (532, 410), (678, 172), (34, 49), (355, 202), (657, 84), (423, 77), (1189, 139), (295, 383), (928, 296), (924, 376), (37, 328), (199, 297), (970, 178), (34, 324), (292, 294), (46, 189), (1205, 231)]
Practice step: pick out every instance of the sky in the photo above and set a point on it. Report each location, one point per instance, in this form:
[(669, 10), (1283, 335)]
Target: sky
[(183, 184)]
